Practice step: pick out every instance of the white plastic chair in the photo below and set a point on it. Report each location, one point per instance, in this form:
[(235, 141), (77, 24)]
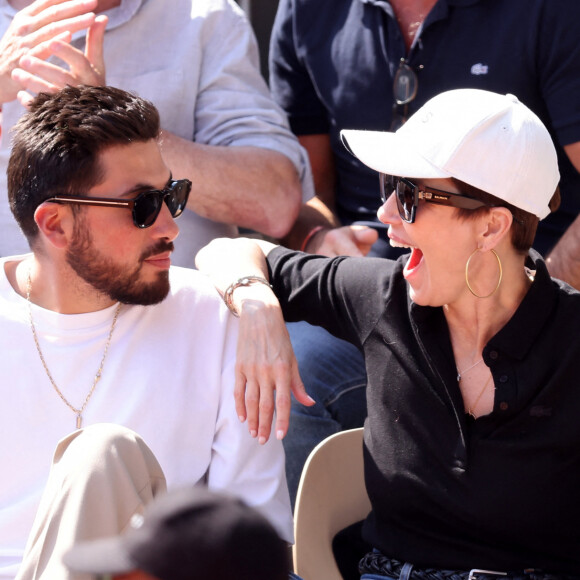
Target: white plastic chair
[(331, 496)]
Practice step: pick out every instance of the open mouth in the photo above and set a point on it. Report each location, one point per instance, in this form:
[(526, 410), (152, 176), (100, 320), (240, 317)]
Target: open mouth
[(415, 257), (414, 261)]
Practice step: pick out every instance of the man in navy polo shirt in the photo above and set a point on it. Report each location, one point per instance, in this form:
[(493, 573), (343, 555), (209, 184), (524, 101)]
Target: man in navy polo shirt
[(339, 64)]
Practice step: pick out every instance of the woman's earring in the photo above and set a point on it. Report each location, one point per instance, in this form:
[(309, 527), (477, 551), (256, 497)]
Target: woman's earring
[(467, 275)]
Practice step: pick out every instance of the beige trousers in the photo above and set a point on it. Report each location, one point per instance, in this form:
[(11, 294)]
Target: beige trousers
[(101, 476)]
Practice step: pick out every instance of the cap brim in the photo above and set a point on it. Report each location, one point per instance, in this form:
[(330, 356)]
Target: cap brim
[(104, 556), (391, 153)]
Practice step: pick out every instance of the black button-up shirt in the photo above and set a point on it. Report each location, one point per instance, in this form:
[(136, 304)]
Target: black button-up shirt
[(500, 492)]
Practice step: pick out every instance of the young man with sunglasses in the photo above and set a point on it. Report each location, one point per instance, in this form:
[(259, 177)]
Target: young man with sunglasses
[(99, 328), (197, 61)]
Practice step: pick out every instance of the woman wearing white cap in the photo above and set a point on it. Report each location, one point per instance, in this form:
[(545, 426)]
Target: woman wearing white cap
[(472, 443)]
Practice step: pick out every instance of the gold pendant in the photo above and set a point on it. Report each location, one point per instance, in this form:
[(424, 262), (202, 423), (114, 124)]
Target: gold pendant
[(79, 420)]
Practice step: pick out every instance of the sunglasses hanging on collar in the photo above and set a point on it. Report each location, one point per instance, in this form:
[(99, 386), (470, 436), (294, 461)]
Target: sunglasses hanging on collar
[(405, 85)]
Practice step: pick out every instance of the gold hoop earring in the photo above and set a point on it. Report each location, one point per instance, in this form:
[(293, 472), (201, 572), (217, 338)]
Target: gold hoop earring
[(467, 275)]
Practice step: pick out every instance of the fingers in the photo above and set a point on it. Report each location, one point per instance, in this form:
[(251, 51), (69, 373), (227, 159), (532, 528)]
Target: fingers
[(24, 98), (284, 401), (54, 29), (300, 393), (67, 7), (257, 403), (265, 413), (260, 405), (37, 75), (252, 406), (46, 49), (254, 400), (283, 407), (364, 234), (347, 246), (338, 242), (262, 390), (42, 21), (95, 43), (43, 13), (285, 372), (46, 20), (240, 393), (81, 70), (365, 237)]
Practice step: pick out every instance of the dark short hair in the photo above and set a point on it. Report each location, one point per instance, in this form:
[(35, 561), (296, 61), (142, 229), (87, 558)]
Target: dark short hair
[(524, 225), (56, 144)]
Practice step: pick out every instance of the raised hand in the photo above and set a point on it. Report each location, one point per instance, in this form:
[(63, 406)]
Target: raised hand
[(32, 31)]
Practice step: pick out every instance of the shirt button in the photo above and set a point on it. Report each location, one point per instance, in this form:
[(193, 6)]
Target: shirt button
[(494, 355), (458, 467), (503, 406), (503, 379)]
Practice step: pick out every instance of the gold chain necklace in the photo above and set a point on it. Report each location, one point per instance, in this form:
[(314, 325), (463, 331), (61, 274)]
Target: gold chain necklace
[(460, 373), (77, 412), (471, 408)]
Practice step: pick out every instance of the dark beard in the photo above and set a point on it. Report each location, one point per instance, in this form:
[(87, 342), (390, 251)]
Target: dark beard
[(117, 282)]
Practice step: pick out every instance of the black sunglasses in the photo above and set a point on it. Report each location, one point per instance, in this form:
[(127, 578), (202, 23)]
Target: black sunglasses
[(145, 207), (408, 195), (405, 85)]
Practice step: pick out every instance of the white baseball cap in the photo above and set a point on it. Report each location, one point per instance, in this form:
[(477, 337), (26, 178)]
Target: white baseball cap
[(490, 141)]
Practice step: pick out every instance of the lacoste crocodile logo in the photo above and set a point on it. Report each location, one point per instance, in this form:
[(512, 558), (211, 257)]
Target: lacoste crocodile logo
[(479, 69)]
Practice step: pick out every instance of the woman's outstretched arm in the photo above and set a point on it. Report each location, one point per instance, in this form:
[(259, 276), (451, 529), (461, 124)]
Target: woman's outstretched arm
[(266, 368)]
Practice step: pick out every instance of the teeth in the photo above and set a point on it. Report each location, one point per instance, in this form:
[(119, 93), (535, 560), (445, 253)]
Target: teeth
[(396, 244)]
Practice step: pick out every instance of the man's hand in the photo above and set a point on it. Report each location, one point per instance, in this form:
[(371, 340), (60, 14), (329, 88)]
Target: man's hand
[(35, 26), (344, 241), (564, 260), (35, 74)]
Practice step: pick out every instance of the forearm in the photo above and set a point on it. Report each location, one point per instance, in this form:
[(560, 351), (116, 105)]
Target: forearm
[(314, 214), (564, 260), (318, 213), (225, 260), (250, 187)]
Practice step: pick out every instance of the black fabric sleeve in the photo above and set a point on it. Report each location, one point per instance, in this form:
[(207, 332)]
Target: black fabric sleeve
[(344, 295)]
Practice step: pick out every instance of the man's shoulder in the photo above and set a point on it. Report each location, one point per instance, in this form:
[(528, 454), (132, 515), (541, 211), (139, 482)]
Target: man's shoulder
[(8, 264), (193, 296), (192, 303), (192, 283)]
